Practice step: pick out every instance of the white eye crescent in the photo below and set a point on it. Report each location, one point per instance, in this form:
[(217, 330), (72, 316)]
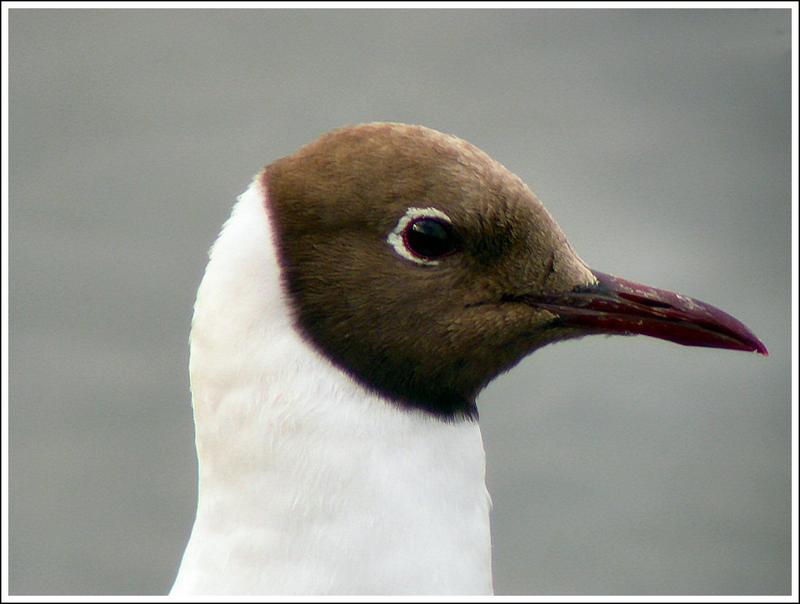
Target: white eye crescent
[(423, 235)]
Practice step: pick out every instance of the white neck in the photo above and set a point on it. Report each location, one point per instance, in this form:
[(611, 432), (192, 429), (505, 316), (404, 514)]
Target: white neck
[(308, 483)]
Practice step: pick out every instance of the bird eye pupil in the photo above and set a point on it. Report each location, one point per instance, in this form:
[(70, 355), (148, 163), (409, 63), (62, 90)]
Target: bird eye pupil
[(429, 238)]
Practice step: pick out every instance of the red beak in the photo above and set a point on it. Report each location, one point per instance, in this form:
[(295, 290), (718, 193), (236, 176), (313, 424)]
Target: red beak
[(618, 306)]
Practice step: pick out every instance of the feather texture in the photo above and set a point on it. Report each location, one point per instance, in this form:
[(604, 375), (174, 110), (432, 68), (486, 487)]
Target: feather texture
[(308, 482)]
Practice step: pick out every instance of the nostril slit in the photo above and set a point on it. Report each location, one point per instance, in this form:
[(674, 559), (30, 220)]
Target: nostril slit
[(645, 301)]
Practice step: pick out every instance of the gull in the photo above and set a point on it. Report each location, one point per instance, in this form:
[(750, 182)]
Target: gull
[(363, 292)]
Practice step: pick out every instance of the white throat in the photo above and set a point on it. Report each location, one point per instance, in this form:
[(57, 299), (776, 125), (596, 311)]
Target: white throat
[(308, 483)]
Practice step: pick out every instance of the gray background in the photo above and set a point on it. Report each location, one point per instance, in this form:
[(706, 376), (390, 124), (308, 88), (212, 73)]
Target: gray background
[(660, 141)]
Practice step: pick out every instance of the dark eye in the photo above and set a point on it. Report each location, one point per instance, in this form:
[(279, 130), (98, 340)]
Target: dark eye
[(429, 238), (423, 235)]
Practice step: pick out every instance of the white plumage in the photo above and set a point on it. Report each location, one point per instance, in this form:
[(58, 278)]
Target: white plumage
[(308, 483)]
